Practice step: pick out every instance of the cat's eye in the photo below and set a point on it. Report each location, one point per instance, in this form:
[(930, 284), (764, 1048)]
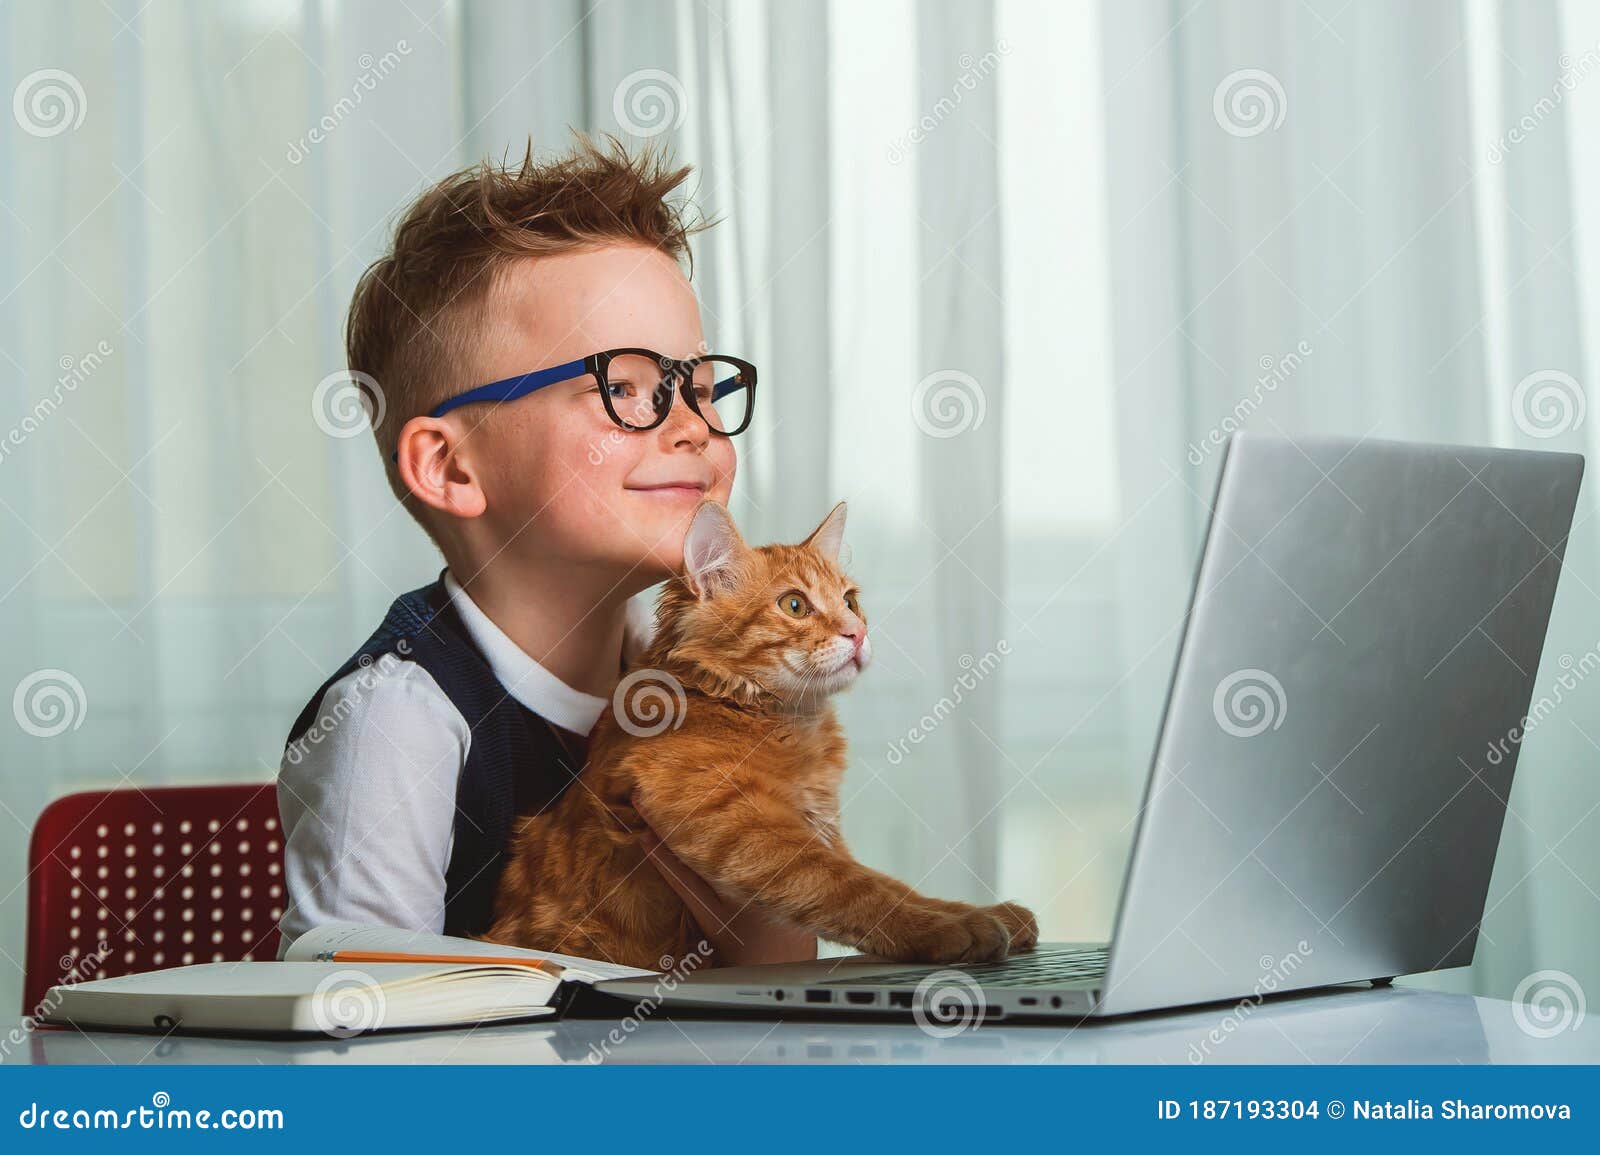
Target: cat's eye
[(850, 603), (794, 604)]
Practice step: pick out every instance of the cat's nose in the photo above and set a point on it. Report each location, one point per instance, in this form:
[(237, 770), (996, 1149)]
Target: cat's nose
[(856, 636)]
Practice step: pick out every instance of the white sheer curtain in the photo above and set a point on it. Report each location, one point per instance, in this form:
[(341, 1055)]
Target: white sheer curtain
[(1002, 265), (1365, 220)]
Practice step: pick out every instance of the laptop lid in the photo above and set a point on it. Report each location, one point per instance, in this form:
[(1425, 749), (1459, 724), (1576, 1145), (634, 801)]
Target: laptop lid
[(1333, 764)]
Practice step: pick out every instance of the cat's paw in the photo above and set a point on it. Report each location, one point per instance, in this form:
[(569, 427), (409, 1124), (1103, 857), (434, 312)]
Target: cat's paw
[(968, 936), (1019, 922)]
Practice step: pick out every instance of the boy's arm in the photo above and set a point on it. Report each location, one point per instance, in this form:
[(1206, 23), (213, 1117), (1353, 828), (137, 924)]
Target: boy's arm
[(368, 808)]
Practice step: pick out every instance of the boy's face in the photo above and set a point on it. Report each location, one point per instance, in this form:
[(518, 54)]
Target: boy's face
[(561, 480)]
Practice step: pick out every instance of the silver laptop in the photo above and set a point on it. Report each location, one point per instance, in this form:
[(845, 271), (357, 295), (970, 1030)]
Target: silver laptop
[(1335, 756)]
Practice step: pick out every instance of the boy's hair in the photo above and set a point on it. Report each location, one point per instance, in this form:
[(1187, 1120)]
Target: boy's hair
[(415, 311)]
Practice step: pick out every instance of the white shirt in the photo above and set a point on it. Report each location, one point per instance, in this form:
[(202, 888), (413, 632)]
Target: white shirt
[(368, 794)]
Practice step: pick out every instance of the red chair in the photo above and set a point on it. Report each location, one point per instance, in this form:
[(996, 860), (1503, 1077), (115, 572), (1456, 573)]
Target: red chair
[(121, 881)]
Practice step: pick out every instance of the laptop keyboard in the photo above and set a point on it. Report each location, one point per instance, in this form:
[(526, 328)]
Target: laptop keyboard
[(1042, 967)]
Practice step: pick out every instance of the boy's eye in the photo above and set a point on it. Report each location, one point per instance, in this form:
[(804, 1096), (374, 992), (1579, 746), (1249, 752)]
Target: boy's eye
[(794, 604)]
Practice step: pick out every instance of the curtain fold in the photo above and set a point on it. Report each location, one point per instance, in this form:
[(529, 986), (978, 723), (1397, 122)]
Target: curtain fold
[(958, 404)]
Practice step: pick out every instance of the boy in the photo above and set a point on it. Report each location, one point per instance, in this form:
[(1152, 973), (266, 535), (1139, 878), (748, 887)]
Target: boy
[(555, 494)]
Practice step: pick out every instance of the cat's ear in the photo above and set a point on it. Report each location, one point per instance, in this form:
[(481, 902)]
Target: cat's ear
[(829, 536), (710, 550)]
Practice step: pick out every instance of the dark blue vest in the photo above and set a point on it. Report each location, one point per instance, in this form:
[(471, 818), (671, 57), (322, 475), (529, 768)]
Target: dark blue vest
[(515, 763)]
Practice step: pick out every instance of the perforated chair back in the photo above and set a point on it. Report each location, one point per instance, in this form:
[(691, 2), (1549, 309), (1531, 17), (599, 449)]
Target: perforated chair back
[(122, 881)]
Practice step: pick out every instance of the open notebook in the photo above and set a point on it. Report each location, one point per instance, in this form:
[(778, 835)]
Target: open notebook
[(340, 979)]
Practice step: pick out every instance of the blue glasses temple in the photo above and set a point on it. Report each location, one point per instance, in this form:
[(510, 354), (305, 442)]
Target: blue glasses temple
[(512, 387)]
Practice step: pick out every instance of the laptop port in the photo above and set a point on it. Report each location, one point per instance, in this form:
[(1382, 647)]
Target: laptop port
[(900, 999), (860, 998), (819, 996), (1028, 1001)]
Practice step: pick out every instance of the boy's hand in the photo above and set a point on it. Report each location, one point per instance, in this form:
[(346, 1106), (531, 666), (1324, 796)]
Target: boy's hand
[(738, 936)]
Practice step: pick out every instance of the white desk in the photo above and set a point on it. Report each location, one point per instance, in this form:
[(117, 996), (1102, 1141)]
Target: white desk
[(1347, 1026)]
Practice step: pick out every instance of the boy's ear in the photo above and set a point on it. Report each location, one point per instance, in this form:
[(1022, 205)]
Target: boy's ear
[(710, 550), (829, 536), (434, 472)]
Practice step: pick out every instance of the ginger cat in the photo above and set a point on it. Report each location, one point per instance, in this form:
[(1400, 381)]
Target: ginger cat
[(741, 769)]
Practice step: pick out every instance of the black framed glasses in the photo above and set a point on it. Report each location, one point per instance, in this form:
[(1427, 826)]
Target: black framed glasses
[(638, 387)]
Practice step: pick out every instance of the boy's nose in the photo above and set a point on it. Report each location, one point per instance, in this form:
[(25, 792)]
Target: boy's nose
[(684, 426)]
